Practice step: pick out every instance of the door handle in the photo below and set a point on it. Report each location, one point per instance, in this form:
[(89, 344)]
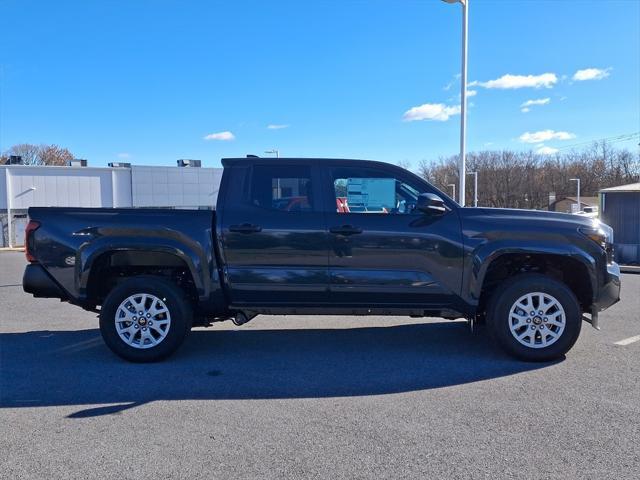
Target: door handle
[(245, 228), (345, 230)]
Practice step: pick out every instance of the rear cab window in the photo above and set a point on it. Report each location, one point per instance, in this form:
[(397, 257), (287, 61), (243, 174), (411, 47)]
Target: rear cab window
[(285, 188)]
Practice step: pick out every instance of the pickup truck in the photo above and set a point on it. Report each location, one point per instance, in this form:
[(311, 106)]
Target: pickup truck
[(324, 236)]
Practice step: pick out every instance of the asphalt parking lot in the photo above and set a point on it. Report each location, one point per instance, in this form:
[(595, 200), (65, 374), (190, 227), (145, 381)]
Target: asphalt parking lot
[(312, 397)]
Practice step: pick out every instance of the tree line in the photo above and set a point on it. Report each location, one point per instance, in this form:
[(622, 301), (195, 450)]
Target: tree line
[(510, 179), (38, 154)]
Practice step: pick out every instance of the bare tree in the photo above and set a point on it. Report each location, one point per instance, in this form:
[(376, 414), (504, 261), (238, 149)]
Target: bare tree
[(39, 154), (525, 179), (55, 155), (30, 153)]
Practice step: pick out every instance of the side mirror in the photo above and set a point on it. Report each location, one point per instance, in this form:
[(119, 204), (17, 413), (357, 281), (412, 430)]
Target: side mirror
[(430, 204)]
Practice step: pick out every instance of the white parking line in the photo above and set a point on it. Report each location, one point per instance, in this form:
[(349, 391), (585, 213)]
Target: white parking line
[(629, 340)]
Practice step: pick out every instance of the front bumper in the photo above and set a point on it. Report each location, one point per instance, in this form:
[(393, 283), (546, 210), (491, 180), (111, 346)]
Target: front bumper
[(609, 292)]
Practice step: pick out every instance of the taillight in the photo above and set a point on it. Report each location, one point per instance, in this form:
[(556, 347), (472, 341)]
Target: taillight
[(32, 226)]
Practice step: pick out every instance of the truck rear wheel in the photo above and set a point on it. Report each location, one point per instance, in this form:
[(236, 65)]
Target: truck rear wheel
[(535, 317), (145, 319)]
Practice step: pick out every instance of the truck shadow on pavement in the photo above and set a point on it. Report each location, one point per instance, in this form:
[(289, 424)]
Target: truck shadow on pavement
[(58, 368)]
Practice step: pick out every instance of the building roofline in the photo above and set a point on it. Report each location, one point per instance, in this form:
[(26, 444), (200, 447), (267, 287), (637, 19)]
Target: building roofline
[(631, 187), (94, 168)]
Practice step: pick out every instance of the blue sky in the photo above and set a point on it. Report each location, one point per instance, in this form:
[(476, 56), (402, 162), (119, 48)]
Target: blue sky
[(146, 82)]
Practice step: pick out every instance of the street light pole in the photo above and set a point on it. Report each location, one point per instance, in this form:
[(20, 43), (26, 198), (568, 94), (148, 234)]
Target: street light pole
[(577, 180), (277, 152), (463, 98), (453, 185), (475, 188)]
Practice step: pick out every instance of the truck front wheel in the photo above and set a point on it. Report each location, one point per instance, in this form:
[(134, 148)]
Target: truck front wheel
[(535, 317), (145, 319)]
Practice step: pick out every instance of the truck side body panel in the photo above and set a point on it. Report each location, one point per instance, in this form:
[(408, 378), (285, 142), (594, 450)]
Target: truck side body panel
[(70, 240)]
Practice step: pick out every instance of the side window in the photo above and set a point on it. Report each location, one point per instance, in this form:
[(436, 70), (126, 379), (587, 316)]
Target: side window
[(282, 187), (367, 190)]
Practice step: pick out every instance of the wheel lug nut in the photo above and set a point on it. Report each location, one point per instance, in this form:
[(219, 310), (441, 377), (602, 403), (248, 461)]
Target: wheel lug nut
[(539, 312), (545, 319), (150, 323), (541, 327), (533, 327), (136, 326), (528, 320), (148, 315), (144, 329), (140, 313), (533, 313)]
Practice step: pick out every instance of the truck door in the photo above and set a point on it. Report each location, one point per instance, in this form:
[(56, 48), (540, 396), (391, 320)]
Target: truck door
[(274, 237), (382, 252)]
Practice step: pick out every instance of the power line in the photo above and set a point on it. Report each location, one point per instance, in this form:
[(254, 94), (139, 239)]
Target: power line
[(614, 139)]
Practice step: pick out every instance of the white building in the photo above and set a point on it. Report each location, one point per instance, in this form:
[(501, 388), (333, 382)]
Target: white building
[(24, 186)]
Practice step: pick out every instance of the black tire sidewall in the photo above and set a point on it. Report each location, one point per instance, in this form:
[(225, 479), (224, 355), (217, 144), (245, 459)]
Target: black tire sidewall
[(179, 309), (514, 288)]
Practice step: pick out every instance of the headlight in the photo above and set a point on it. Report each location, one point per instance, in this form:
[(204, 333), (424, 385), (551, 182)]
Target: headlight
[(599, 232)]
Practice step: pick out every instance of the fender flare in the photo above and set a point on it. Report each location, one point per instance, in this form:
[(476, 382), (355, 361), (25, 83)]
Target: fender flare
[(195, 260), (484, 256)]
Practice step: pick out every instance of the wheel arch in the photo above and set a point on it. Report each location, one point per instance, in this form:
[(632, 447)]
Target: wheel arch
[(103, 270), (575, 270)]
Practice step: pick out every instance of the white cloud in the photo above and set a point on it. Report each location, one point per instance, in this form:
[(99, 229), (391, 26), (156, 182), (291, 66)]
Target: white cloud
[(431, 111), (124, 155), (275, 126), (539, 101), (509, 81), (223, 136), (472, 93), (546, 150), (448, 86), (591, 74), (524, 108), (545, 135)]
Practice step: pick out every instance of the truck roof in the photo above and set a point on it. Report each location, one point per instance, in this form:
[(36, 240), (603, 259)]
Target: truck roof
[(298, 160)]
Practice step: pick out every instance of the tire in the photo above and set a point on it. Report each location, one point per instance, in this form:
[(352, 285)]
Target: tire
[(541, 337), (166, 319)]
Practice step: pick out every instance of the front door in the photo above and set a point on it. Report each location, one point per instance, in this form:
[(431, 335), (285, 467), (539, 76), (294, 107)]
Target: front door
[(383, 252), (274, 237)]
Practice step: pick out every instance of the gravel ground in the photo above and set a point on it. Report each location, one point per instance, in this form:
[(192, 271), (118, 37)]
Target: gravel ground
[(312, 397)]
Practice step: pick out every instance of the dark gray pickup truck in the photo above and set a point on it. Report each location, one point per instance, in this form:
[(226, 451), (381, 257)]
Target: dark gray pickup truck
[(321, 236)]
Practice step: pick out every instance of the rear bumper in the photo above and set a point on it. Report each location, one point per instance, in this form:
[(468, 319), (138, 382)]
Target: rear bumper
[(39, 283), (609, 292)]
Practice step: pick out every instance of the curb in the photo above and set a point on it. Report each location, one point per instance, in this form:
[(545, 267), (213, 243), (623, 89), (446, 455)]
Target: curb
[(630, 268)]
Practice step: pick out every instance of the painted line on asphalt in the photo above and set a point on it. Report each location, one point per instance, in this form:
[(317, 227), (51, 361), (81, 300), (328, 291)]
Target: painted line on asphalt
[(628, 341)]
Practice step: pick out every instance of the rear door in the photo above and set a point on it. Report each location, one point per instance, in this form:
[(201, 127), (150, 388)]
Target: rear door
[(274, 238), (382, 252)]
